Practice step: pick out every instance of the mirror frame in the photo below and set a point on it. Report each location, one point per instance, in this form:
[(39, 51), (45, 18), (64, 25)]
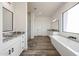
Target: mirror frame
[(12, 19)]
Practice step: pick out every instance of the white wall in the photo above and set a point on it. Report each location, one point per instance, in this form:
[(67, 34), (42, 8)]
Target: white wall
[(20, 16), (32, 24), (0, 23), (39, 25), (26, 25), (58, 15), (29, 25)]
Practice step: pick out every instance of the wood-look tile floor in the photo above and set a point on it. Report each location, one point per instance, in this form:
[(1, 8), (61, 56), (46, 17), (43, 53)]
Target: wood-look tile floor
[(40, 46)]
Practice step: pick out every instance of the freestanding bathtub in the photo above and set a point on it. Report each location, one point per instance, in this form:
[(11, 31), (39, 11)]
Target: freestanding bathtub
[(65, 46)]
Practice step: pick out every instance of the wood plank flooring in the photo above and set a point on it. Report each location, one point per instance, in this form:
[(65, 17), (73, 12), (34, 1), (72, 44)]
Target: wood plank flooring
[(40, 46)]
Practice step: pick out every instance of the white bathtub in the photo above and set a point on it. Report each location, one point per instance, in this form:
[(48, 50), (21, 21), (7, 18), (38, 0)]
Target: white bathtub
[(64, 46)]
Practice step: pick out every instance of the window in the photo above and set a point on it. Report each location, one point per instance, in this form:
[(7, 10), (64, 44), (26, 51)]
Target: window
[(71, 20)]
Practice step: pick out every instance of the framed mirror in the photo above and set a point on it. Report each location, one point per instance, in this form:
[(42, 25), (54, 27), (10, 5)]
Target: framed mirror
[(7, 20)]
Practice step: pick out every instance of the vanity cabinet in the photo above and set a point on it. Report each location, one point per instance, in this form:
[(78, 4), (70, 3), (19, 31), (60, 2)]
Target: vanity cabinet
[(13, 47)]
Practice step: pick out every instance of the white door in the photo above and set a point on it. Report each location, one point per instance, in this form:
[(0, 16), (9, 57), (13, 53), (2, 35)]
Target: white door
[(41, 26)]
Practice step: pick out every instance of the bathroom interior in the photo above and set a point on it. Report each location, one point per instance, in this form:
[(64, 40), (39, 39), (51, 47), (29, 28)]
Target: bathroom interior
[(39, 29)]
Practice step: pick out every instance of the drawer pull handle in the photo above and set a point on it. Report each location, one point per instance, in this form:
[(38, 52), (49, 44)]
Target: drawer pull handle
[(12, 49), (9, 52)]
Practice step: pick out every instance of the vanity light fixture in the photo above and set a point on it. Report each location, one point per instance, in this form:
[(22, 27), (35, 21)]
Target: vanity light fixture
[(54, 20)]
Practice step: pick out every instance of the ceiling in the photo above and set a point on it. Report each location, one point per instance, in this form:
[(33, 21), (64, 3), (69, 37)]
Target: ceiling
[(44, 8)]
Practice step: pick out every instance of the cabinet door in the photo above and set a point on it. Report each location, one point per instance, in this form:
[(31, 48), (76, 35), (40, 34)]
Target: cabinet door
[(12, 50), (16, 49), (6, 52)]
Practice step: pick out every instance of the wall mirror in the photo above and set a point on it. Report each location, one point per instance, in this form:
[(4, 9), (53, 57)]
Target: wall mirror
[(7, 20)]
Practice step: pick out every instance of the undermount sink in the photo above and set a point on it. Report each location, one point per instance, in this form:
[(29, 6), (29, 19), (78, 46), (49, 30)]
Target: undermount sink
[(7, 37), (10, 35)]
